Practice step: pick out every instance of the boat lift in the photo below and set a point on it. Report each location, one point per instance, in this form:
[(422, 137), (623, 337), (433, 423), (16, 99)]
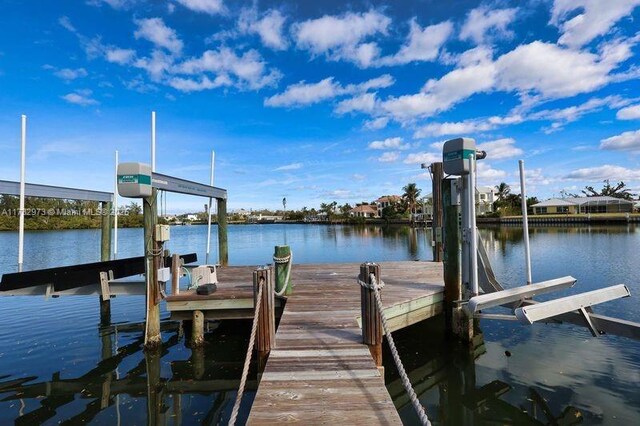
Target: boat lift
[(459, 159)]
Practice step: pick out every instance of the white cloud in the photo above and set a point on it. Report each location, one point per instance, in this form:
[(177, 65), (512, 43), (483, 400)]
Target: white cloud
[(489, 174), (629, 113), (292, 166), (389, 143), (500, 149), (482, 22), (116, 4), (376, 123), (452, 128), (365, 102), (190, 85), (342, 37), (155, 31), (80, 97), (627, 141), (600, 173), (156, 65), (66, 23), (423, 157), (269, 27), (389, 157), (595, 18), (422, 44), (302, 93), (551, 71), (249, 69), (69, 74), (120, 56), (211, 7)]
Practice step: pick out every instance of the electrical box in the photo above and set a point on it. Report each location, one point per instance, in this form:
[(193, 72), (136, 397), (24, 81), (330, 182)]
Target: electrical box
[(134, 180), (164, 275), (162, 233), (204, 274), (455, 155)]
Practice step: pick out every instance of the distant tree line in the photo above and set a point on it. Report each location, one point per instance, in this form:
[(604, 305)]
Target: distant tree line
[(50, 213)]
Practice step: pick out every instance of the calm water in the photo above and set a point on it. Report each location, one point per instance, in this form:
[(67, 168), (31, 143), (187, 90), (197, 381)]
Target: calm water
[(59, 365)]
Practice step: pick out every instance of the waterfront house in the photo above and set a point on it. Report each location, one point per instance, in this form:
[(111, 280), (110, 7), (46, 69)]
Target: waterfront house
[(386, 201), (485, 197), (577, 205), (365, 210)]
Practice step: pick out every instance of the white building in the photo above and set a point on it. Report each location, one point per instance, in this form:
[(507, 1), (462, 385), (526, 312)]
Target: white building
[(485, 197)]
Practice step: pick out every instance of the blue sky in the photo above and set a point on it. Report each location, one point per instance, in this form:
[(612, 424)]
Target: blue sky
[(321, 101)]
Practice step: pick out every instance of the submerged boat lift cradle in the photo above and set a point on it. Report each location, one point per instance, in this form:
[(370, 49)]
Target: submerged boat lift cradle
[(459, 159)]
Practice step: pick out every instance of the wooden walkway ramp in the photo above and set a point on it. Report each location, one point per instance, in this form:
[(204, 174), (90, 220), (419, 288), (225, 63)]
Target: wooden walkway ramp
[(320, 372)]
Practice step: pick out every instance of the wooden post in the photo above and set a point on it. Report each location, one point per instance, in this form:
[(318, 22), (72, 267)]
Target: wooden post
[(197, 329), (150, 212), (457, 322), (105, 237), (105, 254), (437, 175), (223, 251), (266, 333), (371, 322), (154, 399), (281, 269), (175, 274)]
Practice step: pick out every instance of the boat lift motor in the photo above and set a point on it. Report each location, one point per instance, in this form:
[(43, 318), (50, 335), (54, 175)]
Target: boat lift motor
[(459, 158)]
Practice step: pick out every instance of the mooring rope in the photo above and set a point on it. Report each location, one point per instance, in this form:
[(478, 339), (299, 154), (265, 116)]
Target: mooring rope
[(282, 260), (247, 359), (376, 285)]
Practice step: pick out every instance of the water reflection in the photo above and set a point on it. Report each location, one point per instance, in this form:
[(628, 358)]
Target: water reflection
[(132, 386)]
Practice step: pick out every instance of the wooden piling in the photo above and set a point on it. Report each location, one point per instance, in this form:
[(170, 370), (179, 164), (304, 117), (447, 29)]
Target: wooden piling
[(371, 322), (282, 252), (266, 333), (437, 175), (197, 329), (457, 322), (223, 251), (105, 237), (150, 212), (175, 274)]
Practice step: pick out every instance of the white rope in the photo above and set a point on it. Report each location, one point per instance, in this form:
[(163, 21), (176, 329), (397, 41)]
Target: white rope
[(282, 260), (247, 359), (422, 415)]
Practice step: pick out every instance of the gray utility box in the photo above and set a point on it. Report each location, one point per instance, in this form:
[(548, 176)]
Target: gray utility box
[(455, 155), (134, 180)]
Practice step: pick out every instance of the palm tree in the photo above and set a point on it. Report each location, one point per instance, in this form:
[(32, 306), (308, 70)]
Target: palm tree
[(410, 197), (502, 192)]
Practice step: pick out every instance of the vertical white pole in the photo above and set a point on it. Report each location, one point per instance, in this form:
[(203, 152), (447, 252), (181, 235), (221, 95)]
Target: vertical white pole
[(213, 159), (525, 222), (473, 231), (23, 162), (115, 211), (153, 141)]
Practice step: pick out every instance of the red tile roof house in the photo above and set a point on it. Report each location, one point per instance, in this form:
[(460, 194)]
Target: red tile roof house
[(365, 210)]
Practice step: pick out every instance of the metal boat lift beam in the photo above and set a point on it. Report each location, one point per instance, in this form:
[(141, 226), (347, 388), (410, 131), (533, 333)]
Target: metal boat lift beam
[(183, 186), (48, 191), (543, 310), (490, 300)]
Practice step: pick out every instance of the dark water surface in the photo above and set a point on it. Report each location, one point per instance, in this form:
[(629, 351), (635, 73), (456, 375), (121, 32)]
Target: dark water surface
[(59, 365)]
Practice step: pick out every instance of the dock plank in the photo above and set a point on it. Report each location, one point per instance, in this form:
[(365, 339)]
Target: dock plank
[(320, 372)]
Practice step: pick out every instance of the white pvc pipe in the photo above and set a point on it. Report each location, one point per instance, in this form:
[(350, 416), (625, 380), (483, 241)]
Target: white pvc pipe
[(115, 210), (473, 231), (213, 159), (525, 221), (23, 163), (153, 141)]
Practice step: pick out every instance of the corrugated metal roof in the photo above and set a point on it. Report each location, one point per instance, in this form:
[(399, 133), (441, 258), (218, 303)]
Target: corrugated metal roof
[(555, 202), (581, 201)]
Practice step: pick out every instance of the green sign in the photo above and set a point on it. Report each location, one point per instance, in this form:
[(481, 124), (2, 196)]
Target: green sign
[(138, 179), (462, 154)]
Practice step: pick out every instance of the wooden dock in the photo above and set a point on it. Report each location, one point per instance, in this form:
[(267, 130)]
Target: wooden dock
[(320, 371)]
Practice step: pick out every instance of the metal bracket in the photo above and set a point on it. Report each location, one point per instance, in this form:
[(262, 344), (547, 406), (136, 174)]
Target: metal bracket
[(590, 323)]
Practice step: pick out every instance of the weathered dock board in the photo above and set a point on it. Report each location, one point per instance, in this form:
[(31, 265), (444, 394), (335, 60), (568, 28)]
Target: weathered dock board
[(320, 372)]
